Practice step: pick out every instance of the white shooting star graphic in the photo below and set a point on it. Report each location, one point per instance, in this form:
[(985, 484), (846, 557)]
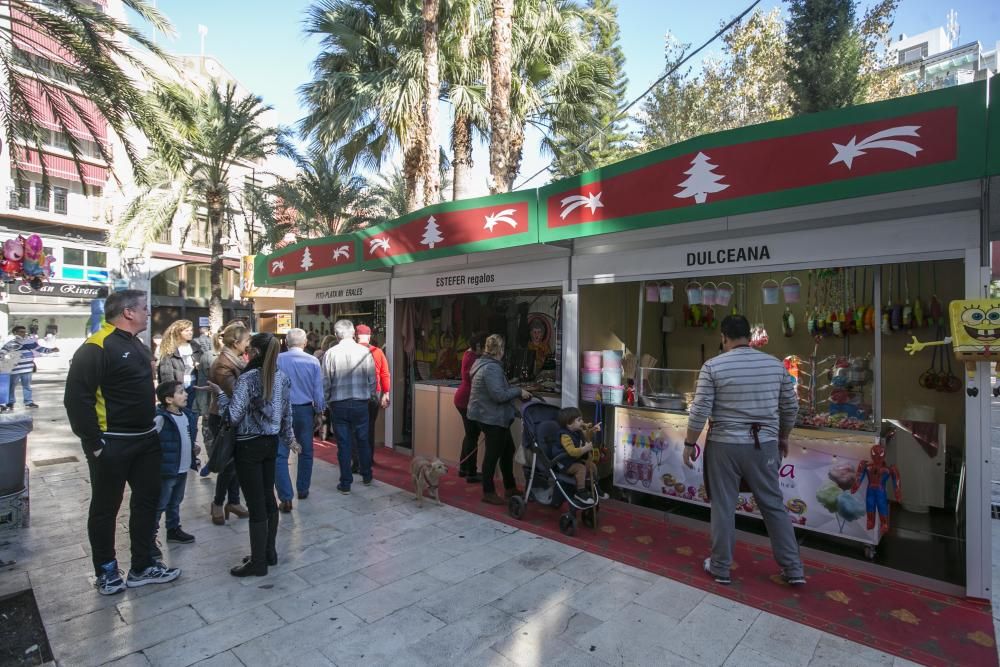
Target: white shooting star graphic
[(342, 251), (591, 201), (853, 149), (277, 266), (503, 216), (379, 243)]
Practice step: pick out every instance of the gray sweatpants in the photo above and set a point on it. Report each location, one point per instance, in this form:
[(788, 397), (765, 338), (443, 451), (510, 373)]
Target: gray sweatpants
[(725, 465)]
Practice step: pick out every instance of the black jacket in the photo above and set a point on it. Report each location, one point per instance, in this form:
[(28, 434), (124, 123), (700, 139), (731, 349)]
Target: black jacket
[(109, 388)]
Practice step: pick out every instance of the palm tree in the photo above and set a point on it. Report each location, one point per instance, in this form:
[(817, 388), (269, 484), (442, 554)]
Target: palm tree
[(80, 45), (368, 86), (389, 196), (432, 92), (325, 198), (209, 132), (501, 64)]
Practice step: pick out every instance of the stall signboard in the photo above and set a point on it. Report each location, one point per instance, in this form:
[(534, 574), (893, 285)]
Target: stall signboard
[(916, 141), (65, 290), (484, 279), (343, 293), (453, 228), (816, 478), (307, 259)]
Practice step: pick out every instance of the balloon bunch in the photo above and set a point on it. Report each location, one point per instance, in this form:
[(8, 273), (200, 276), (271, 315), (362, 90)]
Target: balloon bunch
[(25, 258)]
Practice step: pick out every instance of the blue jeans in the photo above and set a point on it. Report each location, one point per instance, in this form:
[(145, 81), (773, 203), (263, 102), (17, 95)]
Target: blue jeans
[(171, 495), (25, 380), (350, 424), (302, 426)]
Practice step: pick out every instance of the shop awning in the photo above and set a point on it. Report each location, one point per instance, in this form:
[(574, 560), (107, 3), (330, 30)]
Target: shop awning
[(50, 103), (62, 167), (28, 36)]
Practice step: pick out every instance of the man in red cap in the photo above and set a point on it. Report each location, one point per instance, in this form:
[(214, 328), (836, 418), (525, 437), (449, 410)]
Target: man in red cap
[(383, 385)]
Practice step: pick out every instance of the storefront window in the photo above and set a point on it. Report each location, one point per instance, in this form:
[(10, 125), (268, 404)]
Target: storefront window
[(840, 332), (318, 319), (167, 283), (74, 256)]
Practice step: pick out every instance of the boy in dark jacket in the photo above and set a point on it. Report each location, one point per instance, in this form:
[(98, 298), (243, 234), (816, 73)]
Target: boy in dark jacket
[(178, 429), (571, 438)]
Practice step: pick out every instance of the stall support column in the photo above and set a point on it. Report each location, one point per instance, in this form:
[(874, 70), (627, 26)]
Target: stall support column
[(978, 553), (571, 347), (390, 333)]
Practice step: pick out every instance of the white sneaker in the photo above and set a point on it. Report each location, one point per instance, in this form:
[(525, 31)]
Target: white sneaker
[(154, 574)]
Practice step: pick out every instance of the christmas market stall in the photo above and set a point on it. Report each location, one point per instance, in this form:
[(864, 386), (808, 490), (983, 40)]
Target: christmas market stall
[(839, 235), (461, 269), (330, 286)]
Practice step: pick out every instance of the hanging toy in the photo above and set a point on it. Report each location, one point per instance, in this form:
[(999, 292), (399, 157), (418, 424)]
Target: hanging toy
[(907, 314), (788, 323), (31, 265), (836, 326), (937, 312), (13, 252), (758, 336)]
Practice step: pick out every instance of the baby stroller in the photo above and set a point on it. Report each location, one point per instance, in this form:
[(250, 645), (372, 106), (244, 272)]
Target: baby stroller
[(547, 482)]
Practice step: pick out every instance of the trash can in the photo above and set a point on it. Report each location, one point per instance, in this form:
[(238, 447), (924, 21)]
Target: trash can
[(14, 429)]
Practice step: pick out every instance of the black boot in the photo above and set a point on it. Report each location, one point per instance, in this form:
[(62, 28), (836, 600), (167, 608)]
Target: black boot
[(256, 566), (272, 532)]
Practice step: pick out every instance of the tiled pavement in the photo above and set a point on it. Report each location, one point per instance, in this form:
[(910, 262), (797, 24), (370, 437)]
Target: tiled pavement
[(371, 579)]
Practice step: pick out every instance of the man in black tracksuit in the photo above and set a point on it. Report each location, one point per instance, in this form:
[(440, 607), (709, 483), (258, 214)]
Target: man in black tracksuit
[(110, 403)]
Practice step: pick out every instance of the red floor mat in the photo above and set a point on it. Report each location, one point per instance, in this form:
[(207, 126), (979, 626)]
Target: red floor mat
[(908, 621)]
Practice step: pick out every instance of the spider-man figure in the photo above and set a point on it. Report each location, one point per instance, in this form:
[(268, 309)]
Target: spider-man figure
[(878, 474)]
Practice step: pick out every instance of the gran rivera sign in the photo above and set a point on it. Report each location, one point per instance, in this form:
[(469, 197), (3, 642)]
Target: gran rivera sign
[(65, 290)]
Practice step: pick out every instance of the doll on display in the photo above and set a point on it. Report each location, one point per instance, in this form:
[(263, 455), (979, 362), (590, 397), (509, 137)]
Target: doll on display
[(448, 365), (539, 343), (879, 474)]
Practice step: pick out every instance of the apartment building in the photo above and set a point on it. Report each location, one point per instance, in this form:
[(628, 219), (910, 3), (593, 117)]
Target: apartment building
[(937, 58), (73, 212)]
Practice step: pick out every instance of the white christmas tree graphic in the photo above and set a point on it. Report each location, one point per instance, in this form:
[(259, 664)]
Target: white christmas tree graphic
[(702, 181), (307, 260), (432, 234)]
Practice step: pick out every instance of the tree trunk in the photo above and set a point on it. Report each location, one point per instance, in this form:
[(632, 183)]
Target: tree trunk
[(515, 152), (412, 173), (500, 84), (432, 91), (215, 302), (461, 144)]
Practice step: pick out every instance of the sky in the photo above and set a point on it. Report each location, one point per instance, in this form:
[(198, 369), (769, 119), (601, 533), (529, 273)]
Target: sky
[(261, 42)]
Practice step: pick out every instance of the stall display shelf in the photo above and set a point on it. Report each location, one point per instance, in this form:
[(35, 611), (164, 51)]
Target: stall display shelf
[(816, 478)]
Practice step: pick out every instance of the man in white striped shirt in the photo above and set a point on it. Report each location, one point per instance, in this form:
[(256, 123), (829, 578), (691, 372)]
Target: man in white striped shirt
[(749, 398)]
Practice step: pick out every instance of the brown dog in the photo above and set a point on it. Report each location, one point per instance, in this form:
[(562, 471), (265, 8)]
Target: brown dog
[(426, 475)]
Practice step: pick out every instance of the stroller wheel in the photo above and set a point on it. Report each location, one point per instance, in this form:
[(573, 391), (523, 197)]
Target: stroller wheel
[(567, 524), (589, 518), (516, 507)]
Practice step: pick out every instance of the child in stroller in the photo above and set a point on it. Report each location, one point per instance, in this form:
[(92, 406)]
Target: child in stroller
[(546, 469), (578, 459)]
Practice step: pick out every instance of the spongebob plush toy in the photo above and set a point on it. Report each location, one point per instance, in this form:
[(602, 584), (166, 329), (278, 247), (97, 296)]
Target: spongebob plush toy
[(975, 335)]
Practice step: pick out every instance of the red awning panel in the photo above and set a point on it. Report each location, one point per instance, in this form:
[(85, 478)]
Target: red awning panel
[(29, 36), (60, 167), (49, 102)]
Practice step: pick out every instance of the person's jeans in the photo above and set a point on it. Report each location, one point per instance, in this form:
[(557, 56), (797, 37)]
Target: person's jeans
[(470, 444), (373, 407), (302, 425), (499, 449), (226, 482), (24, 379), (255, 470), (171, 495), (132, 461), (350, 424)]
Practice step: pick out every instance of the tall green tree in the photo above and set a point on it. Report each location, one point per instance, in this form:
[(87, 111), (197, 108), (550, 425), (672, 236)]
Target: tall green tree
[(208, 132), (367, 91), (744, 86), (324, 198), (604, 137), (89, 53), (825, 54)]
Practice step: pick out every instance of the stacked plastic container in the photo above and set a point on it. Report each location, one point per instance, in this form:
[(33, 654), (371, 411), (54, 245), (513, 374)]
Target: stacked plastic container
[(612, 384), (590, 375)]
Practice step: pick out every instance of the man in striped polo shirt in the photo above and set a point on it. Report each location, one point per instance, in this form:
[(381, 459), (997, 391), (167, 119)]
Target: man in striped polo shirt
[(750, 401)]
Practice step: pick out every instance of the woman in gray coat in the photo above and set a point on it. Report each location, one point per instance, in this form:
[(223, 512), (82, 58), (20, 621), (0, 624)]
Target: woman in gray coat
[(491, 404)]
